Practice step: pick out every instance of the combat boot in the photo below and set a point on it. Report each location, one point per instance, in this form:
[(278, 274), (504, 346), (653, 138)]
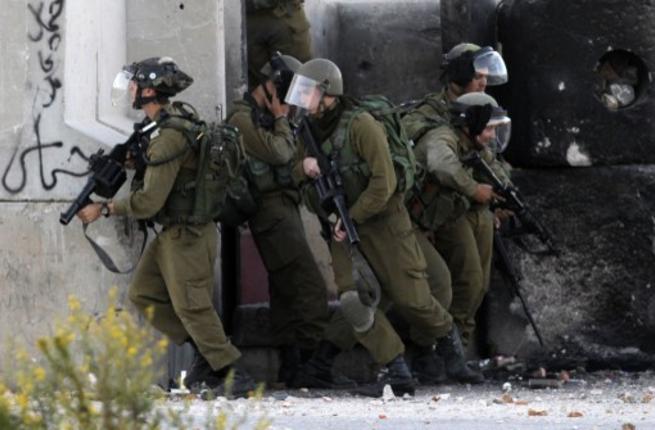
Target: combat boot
[(427, 367), (451, 350), (200, 369), (395, 374), (232, 382), (317, 372)]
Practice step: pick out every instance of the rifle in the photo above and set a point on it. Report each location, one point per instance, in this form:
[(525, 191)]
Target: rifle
[(504, 264), (515, 203), (329, 187), (108, 171)]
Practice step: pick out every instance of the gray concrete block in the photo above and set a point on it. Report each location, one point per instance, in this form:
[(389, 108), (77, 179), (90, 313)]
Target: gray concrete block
[(594, 303), (389, 47)]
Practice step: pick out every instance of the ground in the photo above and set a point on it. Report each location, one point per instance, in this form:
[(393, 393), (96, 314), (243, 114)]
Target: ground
[(605, 400)]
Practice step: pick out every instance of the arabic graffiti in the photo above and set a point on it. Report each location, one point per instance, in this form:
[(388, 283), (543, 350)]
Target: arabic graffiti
[(48, 38)]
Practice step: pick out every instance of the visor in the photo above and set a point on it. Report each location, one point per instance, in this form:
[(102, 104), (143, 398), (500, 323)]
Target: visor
[(305, 93), (120, 89), (503, 134), (489, 62)]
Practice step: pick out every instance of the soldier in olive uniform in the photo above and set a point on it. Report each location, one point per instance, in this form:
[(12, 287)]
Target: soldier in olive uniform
[(455, 204), (275, 25), (385, 230), (175, 276), (298, 292), (467, 68)]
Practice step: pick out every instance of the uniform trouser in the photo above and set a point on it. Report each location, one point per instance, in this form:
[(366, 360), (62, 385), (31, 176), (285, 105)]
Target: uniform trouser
[(298, 294), (272, 30), (175, 278), (391, 248), (466, 244)]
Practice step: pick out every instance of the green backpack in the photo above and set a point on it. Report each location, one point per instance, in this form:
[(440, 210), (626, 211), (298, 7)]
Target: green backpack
[(400, 146), (222, 190)]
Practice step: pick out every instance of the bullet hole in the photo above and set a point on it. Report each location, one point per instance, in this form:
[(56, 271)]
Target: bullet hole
[(365, 66), (182, 6), (622, 79)]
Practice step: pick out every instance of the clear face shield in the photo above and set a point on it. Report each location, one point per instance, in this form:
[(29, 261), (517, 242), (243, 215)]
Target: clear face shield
[(305, 93), (121, 89), (489, 62), (503, 128)]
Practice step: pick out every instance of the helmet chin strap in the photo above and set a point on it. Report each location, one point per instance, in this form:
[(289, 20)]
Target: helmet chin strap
[(140, 101)]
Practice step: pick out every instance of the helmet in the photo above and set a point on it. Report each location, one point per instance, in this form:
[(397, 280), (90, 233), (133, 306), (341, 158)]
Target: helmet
[(280, 71), (160, 73), (476, 111), (464, 60), (326, 73)]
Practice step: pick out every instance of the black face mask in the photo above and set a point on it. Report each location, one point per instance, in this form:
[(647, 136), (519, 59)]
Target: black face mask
[(475, 118), (461, 70)]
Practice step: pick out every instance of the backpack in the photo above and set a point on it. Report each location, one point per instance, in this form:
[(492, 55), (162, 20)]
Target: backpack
[(222, 190), (400, 146)]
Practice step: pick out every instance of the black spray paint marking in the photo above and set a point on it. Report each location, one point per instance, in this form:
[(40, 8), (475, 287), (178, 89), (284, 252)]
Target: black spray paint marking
[(49, 37)]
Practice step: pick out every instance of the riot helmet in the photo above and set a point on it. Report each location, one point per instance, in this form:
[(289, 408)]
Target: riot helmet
[(313, 80), (280, 71), (464, 60), (159, 73), (477, 111)]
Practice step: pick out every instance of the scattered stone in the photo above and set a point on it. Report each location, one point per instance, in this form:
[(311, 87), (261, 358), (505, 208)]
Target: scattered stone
[(628, 426), (648, 398), (539, 383), (537, 412), (521, 402), (507, 387), (327, 399), (387, 393), (575, 414), (627, 398), (280, 395), (596, 392), (436, 398), (382, 417)]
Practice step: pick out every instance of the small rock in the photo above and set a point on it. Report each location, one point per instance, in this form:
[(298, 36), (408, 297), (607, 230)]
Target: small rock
[(436, 398), (327, 399), (648, 398), (507, 387), (537, 412), (628, 426), (387, 393), (382, 417), (575, 414), (596, 392)]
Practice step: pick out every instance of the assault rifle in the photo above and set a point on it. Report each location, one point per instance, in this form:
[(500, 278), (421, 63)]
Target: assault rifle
[(108, 171), (512, 200), (330, 190)]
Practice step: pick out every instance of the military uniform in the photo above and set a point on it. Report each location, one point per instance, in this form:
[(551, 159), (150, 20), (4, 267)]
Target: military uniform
[(387, 238), (298, 292), (175, 276), (463, 229), (275, 25)]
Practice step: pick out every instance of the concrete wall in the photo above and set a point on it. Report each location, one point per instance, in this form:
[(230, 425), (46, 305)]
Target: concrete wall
[(58, 61)]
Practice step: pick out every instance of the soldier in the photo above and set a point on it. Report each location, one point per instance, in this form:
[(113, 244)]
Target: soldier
[(298, 294), (466, 68), (175, 276), (275, 25), (357, 144), (454, 206)]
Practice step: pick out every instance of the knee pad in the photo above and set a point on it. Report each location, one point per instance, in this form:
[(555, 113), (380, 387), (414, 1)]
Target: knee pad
[(358, 315)]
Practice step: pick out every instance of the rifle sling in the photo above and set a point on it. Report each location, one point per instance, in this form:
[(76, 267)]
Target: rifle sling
[(104, 256)]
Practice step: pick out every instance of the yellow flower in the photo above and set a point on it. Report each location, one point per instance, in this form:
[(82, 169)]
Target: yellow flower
[(39, 374), (22, 400), (132, 351), (73, 304), (146, 360), (162, 344)]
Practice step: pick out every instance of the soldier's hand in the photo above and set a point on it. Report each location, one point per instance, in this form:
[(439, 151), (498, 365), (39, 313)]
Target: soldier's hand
[(501, 215), (130, 161), (484, 193), (310, 167), (277, 108), (89, 213), (338, 232)]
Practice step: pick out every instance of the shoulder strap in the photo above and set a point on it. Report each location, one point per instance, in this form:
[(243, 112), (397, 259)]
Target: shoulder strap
[(104, 256)]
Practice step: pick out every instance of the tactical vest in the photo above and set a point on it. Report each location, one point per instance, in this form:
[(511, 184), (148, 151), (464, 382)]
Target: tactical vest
[(265, 177)]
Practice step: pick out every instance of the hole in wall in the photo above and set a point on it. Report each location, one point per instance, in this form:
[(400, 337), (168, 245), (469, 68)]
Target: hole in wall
[(622, 79)]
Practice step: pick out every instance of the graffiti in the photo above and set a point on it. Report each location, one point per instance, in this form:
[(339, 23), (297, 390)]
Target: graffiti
[(48, 38)]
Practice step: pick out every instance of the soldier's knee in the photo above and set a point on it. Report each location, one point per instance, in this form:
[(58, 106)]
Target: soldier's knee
[(358, 315)]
